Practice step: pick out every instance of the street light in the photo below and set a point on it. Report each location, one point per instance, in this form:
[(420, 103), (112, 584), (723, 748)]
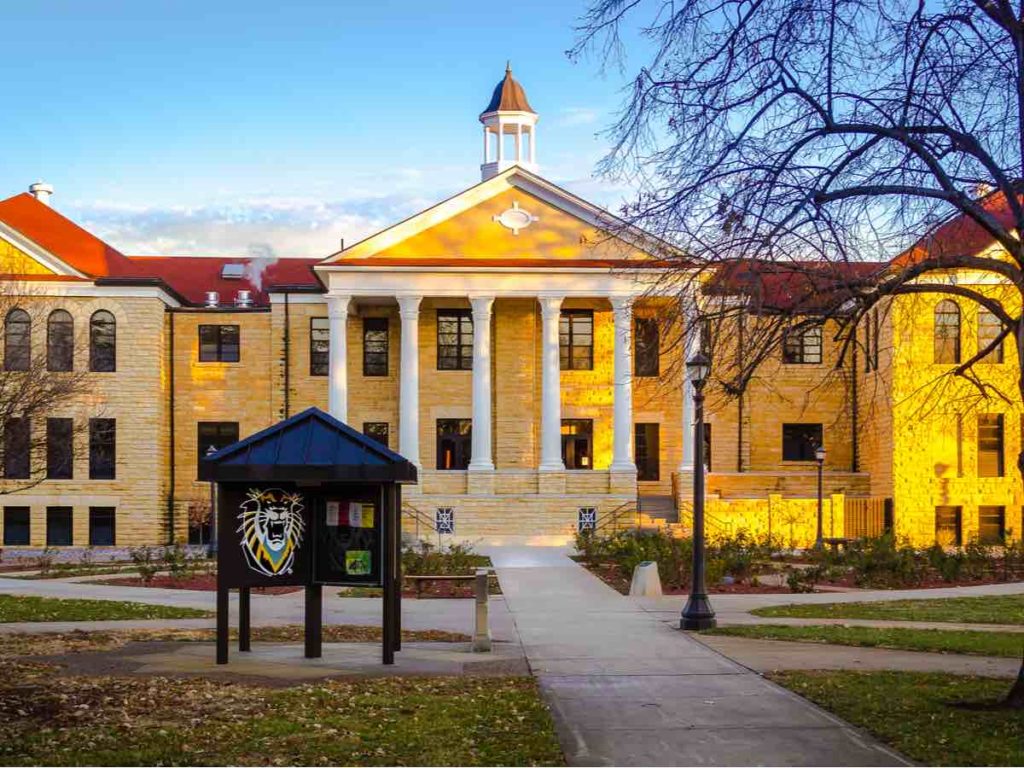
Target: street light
[(698, 613), (819, 456)]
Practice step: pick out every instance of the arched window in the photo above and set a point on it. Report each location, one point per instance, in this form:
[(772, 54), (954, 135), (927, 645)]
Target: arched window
[(947, 332), (60, 341), (102, 342), (17, 340), (989, 328)]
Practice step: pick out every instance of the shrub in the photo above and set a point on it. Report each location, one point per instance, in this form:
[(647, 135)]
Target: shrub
[(454, 560), (44, 560), (177, 561), (145, 562)]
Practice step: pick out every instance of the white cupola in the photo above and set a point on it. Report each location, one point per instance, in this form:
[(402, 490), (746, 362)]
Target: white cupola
[(510, 129)]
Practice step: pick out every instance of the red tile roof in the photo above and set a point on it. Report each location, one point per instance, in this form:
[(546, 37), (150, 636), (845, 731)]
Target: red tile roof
[(791, 286), (192, 276), (62, 237), (960, 235)]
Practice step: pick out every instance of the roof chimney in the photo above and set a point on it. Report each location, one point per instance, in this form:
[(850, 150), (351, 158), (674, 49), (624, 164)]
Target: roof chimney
[(243, 299), (212, 299), (41, 191)]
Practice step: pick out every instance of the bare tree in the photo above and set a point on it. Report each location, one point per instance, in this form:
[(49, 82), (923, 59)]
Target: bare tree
[(44, 363), (812, 136)]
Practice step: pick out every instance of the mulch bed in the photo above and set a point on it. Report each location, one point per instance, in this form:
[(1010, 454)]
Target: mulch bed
[(205, 582)]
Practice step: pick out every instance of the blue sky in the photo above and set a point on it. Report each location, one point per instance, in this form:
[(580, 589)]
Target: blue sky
[(218, 127)]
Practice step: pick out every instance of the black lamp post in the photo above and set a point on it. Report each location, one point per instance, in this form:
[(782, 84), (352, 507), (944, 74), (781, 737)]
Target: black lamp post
[(819, 456), (213, 509), (698, 613)]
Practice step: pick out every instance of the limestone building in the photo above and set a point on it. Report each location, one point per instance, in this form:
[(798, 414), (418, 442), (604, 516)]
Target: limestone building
[(507, 340)]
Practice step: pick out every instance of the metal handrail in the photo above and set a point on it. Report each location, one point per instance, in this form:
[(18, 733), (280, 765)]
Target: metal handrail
[(614, 518), (408, 510)]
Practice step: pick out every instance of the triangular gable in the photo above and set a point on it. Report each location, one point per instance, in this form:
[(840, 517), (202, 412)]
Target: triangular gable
[(514, 217), (311, 445)]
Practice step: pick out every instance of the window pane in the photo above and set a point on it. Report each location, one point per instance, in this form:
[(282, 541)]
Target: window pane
[(59, 451), (208, 343), (101, 526), (646, 359), (16, 526), (646, 449), (17, 340), (17, 449), (216, 435), (102, 448), (375, 346), (947, 332), (990, 445), (991, 525), (989, 328), (454, 339), (799, 441), (378, 430), (58, 526), (102, 342), (319, 346), (947, 526), (60, 333), (230, 344)]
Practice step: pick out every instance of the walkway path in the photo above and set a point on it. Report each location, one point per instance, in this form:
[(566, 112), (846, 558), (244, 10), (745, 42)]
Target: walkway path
[(627, 689), (778, 655)]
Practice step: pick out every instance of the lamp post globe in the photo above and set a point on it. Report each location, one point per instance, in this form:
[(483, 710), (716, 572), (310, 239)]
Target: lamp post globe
[(698, 613)]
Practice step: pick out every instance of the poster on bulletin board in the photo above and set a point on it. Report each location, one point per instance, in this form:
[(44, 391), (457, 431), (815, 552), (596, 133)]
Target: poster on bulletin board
[(349, 544)]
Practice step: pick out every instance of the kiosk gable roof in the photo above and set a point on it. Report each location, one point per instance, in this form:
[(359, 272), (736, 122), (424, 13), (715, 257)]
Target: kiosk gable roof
[(311, 445)]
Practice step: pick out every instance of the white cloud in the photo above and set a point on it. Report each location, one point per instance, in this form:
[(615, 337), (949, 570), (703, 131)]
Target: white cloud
[(573, 116)]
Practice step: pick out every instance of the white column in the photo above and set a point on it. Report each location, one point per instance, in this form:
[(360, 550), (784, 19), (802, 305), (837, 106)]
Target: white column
[(409, 379), (533, 143), (337, 400), (481, 458), (501, 145), (622, 439), (691, 345), (551, 394), (487, 146), (519, 143)]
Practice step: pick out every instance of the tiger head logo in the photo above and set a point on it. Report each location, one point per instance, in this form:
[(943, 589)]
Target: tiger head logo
[(271, 527)]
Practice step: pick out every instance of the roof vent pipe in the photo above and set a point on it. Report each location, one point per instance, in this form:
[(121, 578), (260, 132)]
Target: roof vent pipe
[(243, 299), (41, 191), (212, 299)]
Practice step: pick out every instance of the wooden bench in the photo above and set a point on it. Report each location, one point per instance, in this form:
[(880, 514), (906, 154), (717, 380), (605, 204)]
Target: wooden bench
[(419, 581), (838, 542)]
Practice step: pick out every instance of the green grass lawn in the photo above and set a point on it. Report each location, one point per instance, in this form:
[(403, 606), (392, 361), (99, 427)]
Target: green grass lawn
[(163, 721), (912, 712), (990, 609), (15, 608), (1010, 644)]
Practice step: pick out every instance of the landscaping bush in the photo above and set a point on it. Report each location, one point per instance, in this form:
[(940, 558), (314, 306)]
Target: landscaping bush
[(145, 562), (424, 559)]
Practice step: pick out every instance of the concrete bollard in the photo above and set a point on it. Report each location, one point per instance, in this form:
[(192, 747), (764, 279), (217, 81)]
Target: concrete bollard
[(482, 630), (646, 581)]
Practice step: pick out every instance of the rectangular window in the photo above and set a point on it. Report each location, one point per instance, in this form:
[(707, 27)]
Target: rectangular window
[(378, 430), (802, 347), (647, 359), (454, 443), (219, 344), (991, 525), (215, 435), (375, 346), (102, 449), (60, 459), (578, 443), (319, 346), (58, 526), (799, 441), (102, 526), (586, 519), (16, 526), (990, 445), (989, 328), (16, 449), (454, 340), (576, 340), (947, 526), (647, 450)]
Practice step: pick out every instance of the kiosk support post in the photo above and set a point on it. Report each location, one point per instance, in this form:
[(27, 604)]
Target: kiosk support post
[(222, 624), (314, 621), (397, 527), (388, 574), (244, 625)]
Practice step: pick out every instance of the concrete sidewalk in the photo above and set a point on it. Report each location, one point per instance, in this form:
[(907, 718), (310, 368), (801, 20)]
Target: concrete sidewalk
[(627, 689)]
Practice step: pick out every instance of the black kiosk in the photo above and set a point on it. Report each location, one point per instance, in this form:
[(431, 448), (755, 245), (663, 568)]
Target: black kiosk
[(308, 502)]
